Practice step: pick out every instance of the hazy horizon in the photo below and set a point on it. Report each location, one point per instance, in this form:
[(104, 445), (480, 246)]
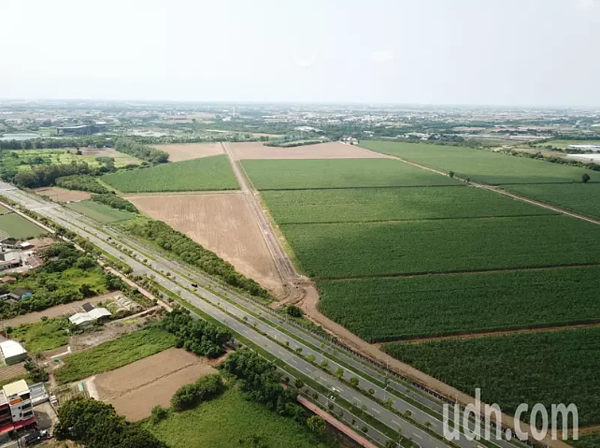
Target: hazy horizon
[(510, 53)]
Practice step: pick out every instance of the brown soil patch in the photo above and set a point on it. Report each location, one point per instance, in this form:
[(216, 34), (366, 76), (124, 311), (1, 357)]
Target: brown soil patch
[(58, 194), (189, 151), (136, 388), (13, 371), (56, 311), (224, 224), (330, 150)]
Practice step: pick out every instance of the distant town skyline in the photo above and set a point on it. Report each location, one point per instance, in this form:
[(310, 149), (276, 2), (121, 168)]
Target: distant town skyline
[(528, 53)]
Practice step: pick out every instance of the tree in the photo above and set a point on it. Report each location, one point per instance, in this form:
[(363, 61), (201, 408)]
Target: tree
[(451, 174), (339, 373), (354, 381), (316, 424), (294, 311), (585, 178), (391, 444)]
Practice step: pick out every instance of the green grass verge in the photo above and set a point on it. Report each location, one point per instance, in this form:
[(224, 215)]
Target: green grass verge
[(100, 212), (375, 249), (548, 368), (338, 173), (18, 227), (381, 204), (380, 309), (44, 335), (480, 165), (208, 173), (114, 354)]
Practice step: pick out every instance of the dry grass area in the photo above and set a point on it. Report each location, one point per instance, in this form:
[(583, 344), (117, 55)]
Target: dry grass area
[(224, 224), (329, 150), (189, 151), (136, 388), (58, 194)]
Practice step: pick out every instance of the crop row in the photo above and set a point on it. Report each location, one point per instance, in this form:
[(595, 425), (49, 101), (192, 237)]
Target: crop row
[(383, 309), (376, 249), (479, 165), (338, 173), (548, 368), (209, 173), (381, 204)]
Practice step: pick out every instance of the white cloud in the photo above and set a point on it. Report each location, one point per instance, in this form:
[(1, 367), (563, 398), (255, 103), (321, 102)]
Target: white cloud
[(586, 4), (382, 56)]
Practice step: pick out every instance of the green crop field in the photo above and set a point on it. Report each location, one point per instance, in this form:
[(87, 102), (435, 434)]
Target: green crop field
[(340, 173), (591, 440), (100, 212), (380, 309), (480, 165), (18, 227), (370, 249), (387, 204), (114, 354), (220, 430), (580, 198), (208, 173), (548, 368)]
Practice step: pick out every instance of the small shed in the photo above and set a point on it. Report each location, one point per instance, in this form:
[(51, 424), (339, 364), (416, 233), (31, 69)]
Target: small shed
[(12, 352), (21, 294)]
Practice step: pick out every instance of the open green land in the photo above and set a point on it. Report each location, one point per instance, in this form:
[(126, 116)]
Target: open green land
[(480, 165), (591, 440), (380, 309), (208, 173), (114, 354), (100, 212), (388, 248), (212, 425), (41, 336), (387, 204), (18, 227), (580, 198), (549, 368), (4, 209), (340, 173), (25, 158)]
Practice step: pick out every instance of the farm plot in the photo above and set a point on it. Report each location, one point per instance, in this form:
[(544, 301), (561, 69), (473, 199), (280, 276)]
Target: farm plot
[(252, 420), (189, 151), (16, 226), (224, 224), (548, 368), (100, 212), (330, 150), (387, 204), (580, 198), (58, 194), (137, 387), (209, 173), (342, 173), (482, 166), (114, 354), (390, 248), (121, 159), (383, 309)]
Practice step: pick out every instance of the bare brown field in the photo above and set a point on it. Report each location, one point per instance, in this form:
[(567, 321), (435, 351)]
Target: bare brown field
[(58, 194), (329, 150), (224, 224), (136, 388), (189, 151)]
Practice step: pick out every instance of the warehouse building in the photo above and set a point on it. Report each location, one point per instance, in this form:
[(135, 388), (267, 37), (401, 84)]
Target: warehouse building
[(12, 352)]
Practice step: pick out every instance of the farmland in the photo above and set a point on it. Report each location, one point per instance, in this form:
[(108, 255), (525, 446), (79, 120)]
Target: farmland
[(180, 429), (379, 309), (18, 227), (480, 165), (113, 354), (209, 173), (343, 173), (58, 194), (565, 143), (41, 336), (580, 198), (100, 212), (386, 204), (547, 368), (189, 151), (23, 159), (330, 150), (376, 249)]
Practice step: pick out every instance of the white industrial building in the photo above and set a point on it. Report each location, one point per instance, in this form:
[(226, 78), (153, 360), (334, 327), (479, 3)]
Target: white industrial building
[(12, 352), (89, 317)]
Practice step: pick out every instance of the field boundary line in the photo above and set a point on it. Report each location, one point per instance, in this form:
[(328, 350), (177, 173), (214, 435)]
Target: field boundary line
[(459, 272), (542, 328), (380, 187)]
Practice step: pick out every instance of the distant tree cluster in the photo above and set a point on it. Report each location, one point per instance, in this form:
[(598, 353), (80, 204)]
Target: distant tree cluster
[(82, 182), (141, 151), (94, 424), (197, 336), (45, 175), (114, 201)]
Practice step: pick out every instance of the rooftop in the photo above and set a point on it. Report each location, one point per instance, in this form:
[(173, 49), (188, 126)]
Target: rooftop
[(17, 388), (11, 348)]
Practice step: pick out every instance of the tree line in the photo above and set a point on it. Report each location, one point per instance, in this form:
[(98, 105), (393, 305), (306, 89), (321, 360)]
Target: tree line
[(141, 151), (114, 201), (82, 182)]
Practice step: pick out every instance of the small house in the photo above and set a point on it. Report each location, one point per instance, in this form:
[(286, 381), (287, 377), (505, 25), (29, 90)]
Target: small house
[(21, 294)]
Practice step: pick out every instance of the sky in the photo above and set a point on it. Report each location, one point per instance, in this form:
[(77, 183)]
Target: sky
[(476, 52)]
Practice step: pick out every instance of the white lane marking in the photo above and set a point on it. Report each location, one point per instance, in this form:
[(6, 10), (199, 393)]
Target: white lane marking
[(417, 435), (375, 410), (293, 360), (397, 422)]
